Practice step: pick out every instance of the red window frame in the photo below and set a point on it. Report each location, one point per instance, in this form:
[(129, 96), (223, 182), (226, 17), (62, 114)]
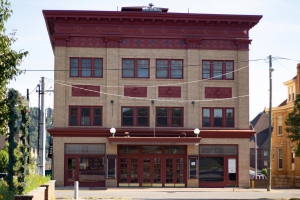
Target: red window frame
[(170, 117), (211, 116), (134, 115), (169, 69), (79, 68), (92, 115), (135, 67), (225, 72)]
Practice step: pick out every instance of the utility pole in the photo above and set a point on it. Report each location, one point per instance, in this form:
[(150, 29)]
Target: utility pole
[(42, 135), (270, 126)]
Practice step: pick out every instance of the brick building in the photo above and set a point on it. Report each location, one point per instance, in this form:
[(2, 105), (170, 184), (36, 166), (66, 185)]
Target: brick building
[(132, 87), (285, 166)]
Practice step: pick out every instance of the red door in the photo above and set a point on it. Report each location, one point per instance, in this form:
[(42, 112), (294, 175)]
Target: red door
[(71, 170), (129, 171), (151, 171), (175, 171)]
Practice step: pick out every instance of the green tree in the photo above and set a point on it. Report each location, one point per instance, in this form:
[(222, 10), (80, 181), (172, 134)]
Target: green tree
[(293, 125), (3, 161), (9, 62)]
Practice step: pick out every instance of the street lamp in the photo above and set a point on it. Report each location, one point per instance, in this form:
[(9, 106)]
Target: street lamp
[(255, 151), (270, 125), (197, 131), (113, 131)]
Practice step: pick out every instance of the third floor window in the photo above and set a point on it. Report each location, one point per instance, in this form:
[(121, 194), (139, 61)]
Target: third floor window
[(214, 69), (135, 68), (86, 67), (169, 69)]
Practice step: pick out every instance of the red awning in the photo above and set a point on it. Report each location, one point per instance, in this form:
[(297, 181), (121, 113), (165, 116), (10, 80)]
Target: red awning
[(155, 140)]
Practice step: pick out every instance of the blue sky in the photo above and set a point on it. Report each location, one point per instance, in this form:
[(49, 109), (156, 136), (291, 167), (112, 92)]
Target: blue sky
[(277, 34)]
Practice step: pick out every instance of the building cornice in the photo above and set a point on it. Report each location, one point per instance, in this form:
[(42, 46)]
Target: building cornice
[(149, 30)]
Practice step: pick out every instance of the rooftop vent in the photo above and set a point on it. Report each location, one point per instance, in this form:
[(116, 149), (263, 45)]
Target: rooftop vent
[(151, 8)]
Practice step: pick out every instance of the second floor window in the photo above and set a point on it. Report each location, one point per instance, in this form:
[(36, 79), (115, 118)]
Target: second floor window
[(169, 117), (85, 116), (169, 69), (217, 117), (135, 68), (280, 159), (135, 116), (86, 67), (222, 70)]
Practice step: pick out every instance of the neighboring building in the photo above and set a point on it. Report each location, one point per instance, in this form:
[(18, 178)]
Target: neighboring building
[(155, 77), (285, 166), (261, 126)]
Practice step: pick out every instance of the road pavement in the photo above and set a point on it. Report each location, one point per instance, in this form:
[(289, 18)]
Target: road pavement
[(175, 193)]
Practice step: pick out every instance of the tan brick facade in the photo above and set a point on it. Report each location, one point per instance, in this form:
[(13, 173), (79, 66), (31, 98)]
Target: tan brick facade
[(167, 36)]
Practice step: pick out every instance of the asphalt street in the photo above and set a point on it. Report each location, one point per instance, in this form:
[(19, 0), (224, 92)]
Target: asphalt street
[(175, 193)]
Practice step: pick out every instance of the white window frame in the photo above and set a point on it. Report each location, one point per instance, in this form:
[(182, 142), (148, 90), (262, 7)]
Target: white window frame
[(279, 125)]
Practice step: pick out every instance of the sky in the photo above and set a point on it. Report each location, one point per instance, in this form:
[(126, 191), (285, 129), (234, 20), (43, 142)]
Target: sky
[(277, 34)]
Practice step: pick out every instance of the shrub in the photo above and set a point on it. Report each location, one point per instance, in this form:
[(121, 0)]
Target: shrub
[(264, 171), (5, 193)]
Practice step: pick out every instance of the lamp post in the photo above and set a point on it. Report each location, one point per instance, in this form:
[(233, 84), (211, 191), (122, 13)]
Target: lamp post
[(270, 125), (113, 131), (255, 153), (197, 131)]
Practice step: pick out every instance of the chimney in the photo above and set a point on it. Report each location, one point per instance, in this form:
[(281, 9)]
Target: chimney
[(298, 79)]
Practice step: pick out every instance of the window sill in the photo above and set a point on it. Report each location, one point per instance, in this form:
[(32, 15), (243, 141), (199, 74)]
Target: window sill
[(279, 170)]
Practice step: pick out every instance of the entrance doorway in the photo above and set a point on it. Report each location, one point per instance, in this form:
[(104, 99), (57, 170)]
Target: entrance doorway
[(152, 166), (87, 169)]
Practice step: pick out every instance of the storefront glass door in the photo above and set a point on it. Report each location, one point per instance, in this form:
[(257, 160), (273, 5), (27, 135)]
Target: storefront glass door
[(151, 172), (129, 168), (174, 171)]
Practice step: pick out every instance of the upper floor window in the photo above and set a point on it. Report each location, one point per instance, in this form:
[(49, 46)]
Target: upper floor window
[(86, 67), (85, 116), (135, 116), (280, 159), (169, 116), (279, 125), (135, 68), (218, 117), (169, 68), (217, 70)]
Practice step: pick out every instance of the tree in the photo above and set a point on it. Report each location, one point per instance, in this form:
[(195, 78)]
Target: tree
[(293, 125), (3, 161), (9, 62)]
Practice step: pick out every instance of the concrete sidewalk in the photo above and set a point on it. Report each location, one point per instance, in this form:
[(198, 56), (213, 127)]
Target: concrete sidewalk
[(175, 193)]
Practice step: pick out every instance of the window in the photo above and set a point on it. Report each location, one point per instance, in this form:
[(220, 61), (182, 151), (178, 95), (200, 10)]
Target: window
[(86, 67), (135, 68), (169, 117), (169, 69), (218, 117), (217, 70), (280, 159), (265, 152), (85, 116), (279, 125), (135, 116), (292, 160)]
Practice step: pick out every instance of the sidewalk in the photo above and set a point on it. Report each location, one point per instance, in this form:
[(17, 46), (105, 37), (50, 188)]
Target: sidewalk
[(175, 193)]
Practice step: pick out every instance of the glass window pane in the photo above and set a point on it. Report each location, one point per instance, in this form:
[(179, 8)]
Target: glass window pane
[(127, 116), (128, 68), (98, 67), (176, 117), (162, 68), (151, 149), (206, 117), (174, 150), (176, 68), (229, 70), (217, 117), (229, 117), (143, 68), (217, 70), (74, 66), (142, 116), (85, 116), (86, 67), (128, 149), (205, 69), (211, 169), (161, 118), (73, 116), (97, 116)]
